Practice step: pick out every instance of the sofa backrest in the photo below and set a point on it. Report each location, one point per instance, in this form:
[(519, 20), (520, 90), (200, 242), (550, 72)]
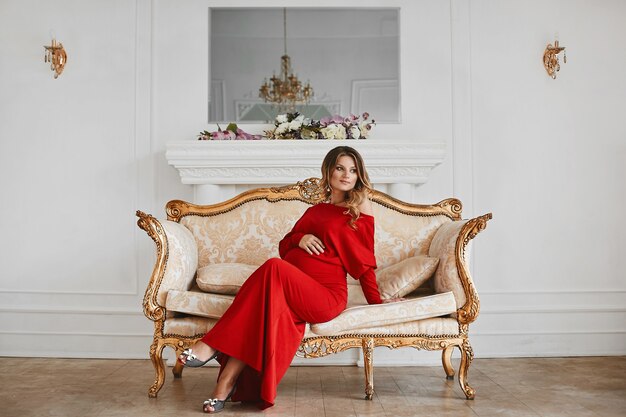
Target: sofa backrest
[(400, 235), (247, 228), (247, 234)]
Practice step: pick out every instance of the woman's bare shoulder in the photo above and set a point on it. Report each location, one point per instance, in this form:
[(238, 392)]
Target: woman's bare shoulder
[(366, 207)]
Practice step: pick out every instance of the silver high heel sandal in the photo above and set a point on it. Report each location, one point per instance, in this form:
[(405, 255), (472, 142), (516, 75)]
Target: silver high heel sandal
[(218, 405), (192, 361)]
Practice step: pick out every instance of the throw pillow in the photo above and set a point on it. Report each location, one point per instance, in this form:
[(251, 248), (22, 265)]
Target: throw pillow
[(399, 279), (223, 278)]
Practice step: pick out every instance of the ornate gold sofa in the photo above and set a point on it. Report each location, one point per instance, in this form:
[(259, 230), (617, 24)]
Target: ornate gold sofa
[(244, 232)]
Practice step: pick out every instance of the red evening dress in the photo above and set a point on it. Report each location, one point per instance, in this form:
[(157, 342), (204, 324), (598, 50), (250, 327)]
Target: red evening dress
[(265, 323)]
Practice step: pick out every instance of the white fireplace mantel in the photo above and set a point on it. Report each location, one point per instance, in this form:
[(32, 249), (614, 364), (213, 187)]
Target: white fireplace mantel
[(217, 167)]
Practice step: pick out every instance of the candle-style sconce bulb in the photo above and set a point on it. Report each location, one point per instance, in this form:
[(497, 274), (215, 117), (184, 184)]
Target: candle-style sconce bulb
[(56, 56), (551, 58)]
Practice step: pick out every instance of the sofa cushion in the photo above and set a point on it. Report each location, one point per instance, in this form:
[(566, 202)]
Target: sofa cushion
[(380, 318), (355, 293), (396, 280), (434, 326), (406, 276), (387, 314), (198, 303), (223, 278), (193, 326)]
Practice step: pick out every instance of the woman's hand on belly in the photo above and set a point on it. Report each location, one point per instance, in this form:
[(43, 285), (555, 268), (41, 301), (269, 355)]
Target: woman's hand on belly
[(312, 244)]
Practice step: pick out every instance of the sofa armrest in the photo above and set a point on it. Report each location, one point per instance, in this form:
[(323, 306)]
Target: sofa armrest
[(175, 266), (449, 245)]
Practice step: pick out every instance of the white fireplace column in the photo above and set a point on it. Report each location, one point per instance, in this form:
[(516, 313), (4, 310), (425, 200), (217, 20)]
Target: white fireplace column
[(216, 168)]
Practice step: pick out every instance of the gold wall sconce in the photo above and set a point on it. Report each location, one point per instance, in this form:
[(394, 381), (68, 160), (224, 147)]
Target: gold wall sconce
[(56, 56), (551, 58)]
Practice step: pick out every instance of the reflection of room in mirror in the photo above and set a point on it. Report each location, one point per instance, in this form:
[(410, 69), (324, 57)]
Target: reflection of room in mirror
[(350, 57)]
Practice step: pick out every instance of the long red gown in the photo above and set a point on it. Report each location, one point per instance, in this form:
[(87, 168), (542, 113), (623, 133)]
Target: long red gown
[(265, 323)]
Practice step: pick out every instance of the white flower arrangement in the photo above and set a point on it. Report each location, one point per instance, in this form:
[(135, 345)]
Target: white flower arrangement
[(296, 126)]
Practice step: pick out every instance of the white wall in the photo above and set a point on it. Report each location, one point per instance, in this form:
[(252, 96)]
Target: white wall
[(75, 163), (79, 154), (549, 160)]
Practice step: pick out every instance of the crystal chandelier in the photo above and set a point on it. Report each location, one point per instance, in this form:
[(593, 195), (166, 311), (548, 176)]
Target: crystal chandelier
[(285, 90)]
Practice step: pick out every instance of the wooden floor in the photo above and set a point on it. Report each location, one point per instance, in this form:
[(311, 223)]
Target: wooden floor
[(504, 387)]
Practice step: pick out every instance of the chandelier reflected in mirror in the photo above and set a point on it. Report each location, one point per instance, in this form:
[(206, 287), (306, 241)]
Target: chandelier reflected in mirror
[(286, 91)]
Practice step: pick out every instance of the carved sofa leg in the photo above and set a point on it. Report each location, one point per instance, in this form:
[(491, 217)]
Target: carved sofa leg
[(467, 354), (368, 361), (177, 370), (156, 356), (446, 356)]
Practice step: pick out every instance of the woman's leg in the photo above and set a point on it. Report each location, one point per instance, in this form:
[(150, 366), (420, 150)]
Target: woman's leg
[(226, 381), (264, 325)]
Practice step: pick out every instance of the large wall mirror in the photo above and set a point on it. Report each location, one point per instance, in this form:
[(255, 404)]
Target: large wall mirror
[(350, 57)]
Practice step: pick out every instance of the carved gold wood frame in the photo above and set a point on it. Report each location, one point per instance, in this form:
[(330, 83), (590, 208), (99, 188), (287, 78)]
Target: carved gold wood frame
[(316, 347), (308, 191)]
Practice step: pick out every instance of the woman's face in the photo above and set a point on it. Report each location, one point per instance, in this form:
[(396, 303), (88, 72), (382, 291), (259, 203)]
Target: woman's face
[(344, 175)]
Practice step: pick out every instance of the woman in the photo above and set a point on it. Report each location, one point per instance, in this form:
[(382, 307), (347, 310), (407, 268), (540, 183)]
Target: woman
[(257, 337)]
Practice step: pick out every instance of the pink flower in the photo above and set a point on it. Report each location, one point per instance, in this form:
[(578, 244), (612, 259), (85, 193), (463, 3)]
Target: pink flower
[(337, 119), (219, 135), (231, 133), (325, 121), (366, 115), (241, 135)]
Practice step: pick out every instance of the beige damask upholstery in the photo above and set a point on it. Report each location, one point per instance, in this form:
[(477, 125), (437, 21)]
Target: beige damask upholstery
[(247, 234), (377, 315), (205, 253), (443, 247), (183, 260), (210, 305)]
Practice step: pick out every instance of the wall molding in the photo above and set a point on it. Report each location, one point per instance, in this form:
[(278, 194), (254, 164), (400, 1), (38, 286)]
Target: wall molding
[(63, 354), (462, 139), (15, 291), (491, 311), (82, 334), (552, 292), (72, 311), (556, 310), (543, 333), (498, 355)]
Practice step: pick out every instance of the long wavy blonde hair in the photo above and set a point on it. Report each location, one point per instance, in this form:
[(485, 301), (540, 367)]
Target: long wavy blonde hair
[(362, 188)]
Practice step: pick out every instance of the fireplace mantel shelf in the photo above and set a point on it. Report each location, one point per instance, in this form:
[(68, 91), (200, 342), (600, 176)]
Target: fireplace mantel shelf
[(215, 167), (287, 161)]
